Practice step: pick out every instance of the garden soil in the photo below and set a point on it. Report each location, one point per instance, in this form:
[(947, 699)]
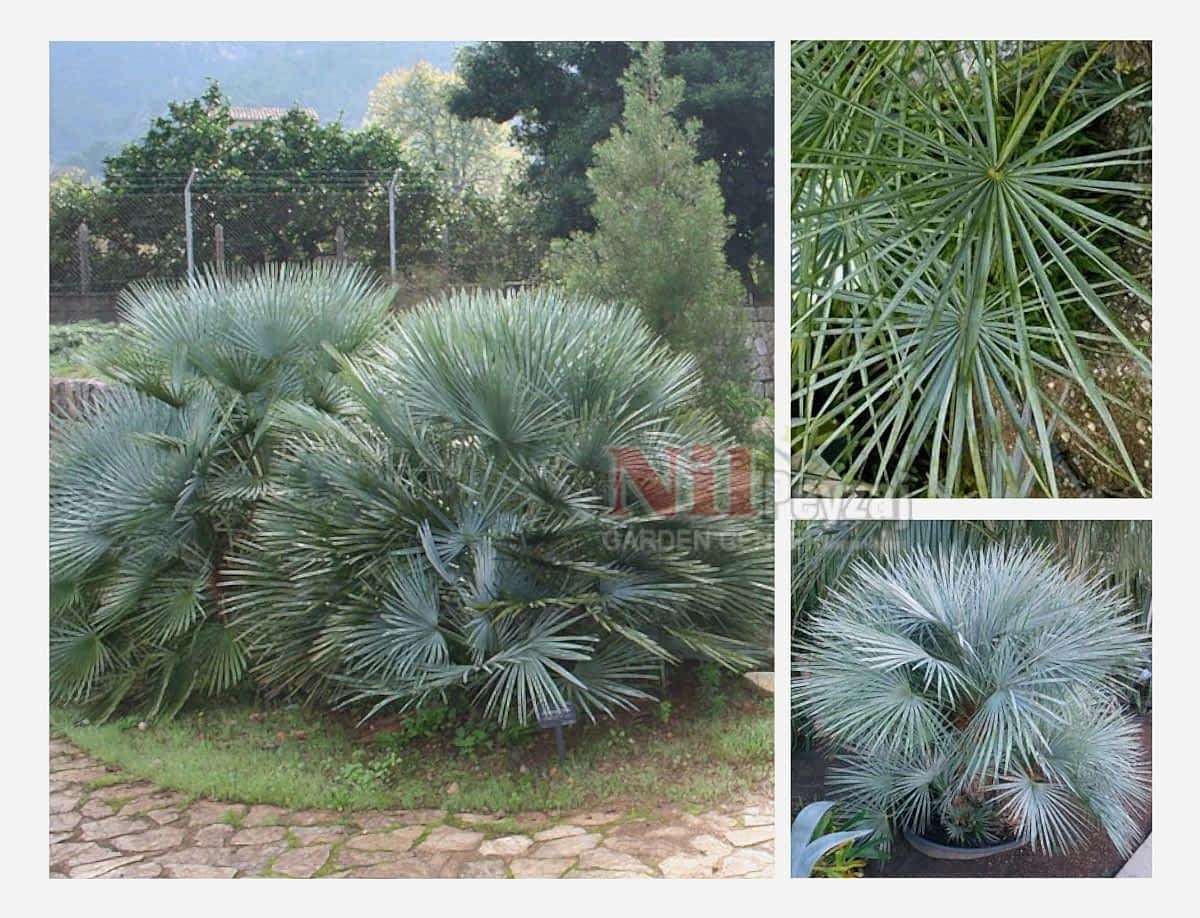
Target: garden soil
[(1095, 858)]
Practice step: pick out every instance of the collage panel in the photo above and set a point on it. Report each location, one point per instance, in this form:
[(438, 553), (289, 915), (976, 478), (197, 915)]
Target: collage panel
[(410, 508), (971, 699), (971, 269)]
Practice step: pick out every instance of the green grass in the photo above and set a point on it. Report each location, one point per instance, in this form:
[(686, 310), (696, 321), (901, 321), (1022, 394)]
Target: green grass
[(303, 758), (70, 342)]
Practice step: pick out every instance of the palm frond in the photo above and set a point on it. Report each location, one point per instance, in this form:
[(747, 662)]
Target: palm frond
[(959, 248), (988, 670)]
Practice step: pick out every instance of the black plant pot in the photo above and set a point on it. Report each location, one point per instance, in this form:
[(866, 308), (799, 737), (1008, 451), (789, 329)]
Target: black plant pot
[(953, 852)]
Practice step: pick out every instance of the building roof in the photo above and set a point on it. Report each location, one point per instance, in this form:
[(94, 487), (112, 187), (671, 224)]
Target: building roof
[(256, 113)]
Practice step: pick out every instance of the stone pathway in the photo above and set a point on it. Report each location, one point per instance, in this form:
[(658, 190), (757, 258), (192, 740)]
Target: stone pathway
[(104, 826)]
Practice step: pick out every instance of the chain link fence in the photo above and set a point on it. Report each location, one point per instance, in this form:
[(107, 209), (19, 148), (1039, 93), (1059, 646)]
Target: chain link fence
[(164, 228), (102, 240)]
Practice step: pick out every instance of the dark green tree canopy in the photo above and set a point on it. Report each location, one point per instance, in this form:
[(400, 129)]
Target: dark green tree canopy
[(565, 97), (279, 189), (200, 133)]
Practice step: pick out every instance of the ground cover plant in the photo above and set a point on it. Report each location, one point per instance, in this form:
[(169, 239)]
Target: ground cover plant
[(251, 750), (258, 500), (971, 251), (979, 693), (70, 343)]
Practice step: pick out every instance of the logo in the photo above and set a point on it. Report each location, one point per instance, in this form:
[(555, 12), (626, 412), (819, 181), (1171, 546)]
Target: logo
[(701, 480)]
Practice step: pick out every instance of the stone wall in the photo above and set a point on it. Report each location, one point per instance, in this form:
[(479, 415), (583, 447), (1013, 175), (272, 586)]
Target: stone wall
[(70, 397), (762, 344), (75, 307)]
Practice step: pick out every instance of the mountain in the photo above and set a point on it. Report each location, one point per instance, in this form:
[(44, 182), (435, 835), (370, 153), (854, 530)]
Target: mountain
[(104, 94)]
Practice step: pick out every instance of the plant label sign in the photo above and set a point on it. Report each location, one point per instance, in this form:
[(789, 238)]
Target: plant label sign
[(555, 717)]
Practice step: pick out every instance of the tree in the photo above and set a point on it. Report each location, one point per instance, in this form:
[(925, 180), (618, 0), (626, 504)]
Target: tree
[(279, 188), (471, 154), (563, 98), (660, 232)]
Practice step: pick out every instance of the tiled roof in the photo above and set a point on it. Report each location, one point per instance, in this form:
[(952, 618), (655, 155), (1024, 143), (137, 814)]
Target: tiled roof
[(262, 113)]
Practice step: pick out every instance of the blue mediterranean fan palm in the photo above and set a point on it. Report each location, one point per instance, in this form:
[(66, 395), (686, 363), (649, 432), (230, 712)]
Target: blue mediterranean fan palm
[(979, 691), (151, 488), (455, 532)]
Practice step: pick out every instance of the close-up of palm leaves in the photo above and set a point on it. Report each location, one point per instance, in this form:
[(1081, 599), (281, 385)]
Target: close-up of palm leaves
[(973, 682), (971, 269), (151, 487), (457, 533)]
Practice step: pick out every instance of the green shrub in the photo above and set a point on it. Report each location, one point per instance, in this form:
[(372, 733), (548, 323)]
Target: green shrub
[(979, 691), (709, 688), (422, 724)]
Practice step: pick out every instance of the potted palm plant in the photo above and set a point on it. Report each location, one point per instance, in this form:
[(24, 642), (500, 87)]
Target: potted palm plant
[(975, 699)]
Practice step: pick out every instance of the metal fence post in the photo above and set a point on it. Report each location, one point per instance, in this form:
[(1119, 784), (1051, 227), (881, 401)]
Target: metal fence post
[(187, 220), (219, 247), (392, 224), (85, 259)]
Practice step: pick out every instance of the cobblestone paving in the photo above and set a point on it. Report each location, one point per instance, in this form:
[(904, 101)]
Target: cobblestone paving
[(133, 829)]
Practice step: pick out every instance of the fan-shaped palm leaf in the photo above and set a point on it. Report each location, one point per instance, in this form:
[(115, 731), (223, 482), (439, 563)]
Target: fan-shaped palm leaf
[(992, 673)]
